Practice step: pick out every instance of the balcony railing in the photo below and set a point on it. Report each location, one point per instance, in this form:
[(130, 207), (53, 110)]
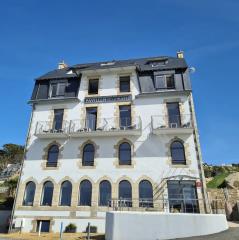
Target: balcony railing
[(105, 125), (94, 127), (48, 128), (174, 121)]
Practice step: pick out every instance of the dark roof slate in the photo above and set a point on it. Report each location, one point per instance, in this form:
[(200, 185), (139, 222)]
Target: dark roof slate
[(143, 64)]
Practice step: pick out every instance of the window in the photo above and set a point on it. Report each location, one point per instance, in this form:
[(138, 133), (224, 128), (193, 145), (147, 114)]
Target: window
[(93, 86), (57, 89), (164, 82), (174, 118), (85, 193), (177, 153), (125, 116), (124, 154), (58, 119), (47, 193), (125, 194), (45, 225), (145, 194), (183, 196), (66, 190), (125, 84), (52, 157), (91, 119), (88, 155), (29, 194), (105, 193)]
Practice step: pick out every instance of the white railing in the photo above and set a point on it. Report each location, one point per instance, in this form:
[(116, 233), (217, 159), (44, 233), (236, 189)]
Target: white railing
[(45, 127), (105, 124), (172, 121)]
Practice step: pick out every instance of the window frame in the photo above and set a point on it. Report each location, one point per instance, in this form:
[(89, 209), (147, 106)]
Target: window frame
[(24, 203), (80, 195), (61, 193), (89, 87), (182, 148), (123, 162), (52, 163), (58, 83), (121, 79), (43, 193), (164, 76), (83, 155), (102, 203)]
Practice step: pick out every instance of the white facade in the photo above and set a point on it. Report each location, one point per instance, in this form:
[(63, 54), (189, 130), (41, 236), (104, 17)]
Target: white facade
[(150, 151)]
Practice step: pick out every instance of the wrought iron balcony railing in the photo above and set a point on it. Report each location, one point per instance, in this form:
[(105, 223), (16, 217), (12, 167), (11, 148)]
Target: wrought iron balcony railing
[(105, 125), (50, 127), (172, 121)]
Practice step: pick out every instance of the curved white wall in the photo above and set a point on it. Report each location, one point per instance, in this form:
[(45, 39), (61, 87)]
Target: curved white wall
[(159, 226)]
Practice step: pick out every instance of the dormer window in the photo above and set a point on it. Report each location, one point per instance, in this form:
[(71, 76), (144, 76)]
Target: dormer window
[(57, 89), (164, 82), (93, 86), (125, 84)]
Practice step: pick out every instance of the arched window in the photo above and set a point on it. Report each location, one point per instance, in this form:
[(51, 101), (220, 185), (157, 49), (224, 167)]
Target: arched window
[(85, 193), (105, 193), (124, 154), (29, 194), (52, 156), (125, 194), (145, 194), (88, 155), (66, 190), (47, 193), (177, 153)]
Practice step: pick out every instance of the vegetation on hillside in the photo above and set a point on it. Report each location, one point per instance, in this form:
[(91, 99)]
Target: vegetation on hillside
[(10, 153), (218, 174)]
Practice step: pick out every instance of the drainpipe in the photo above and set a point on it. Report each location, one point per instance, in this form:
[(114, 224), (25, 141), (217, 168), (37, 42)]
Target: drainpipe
[(207, 205), (21, 168)]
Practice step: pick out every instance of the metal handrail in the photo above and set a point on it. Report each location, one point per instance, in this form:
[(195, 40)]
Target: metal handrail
[(171, 121), (44, 127)]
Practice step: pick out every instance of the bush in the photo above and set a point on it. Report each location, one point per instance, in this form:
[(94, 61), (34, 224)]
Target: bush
[(70, 228), (93, 229)]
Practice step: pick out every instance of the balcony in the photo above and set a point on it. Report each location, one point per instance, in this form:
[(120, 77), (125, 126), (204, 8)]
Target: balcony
[(46, 129), (105, 127), (175, 124)]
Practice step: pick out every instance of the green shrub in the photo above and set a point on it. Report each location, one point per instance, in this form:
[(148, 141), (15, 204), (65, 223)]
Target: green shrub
[(70, 228)]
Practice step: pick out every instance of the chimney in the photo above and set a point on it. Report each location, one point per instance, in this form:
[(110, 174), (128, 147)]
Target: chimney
[(180, 54), (62, 65)]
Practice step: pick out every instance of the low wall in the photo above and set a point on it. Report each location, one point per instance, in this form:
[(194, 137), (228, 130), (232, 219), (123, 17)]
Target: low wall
[(154, 225)]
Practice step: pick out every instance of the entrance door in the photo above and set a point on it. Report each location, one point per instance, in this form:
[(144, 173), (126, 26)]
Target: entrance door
[(91, 118), (183, 196), (174, 119)]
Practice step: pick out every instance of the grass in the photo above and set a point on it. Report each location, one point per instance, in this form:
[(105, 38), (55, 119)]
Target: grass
[(218, 180), (52, 236)]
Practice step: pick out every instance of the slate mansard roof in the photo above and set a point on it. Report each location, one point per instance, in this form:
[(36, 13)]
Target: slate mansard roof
[(142, 64)]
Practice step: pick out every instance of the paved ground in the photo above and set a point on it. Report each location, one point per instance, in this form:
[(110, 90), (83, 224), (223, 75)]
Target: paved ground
[(230, 234)]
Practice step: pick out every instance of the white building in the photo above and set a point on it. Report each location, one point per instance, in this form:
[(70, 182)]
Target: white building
[(110, 135)]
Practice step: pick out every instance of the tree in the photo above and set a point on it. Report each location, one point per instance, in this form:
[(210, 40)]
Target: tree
[(12, 185), (10, 153)]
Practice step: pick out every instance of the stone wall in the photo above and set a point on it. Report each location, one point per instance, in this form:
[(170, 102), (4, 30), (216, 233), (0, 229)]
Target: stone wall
[(225, 201)]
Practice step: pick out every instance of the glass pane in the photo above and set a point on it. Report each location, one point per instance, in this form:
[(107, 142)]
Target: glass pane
[(183, 196), (91, 118), (85, 193), (160, 82), (173, 115), (45, 225), (58, 119), (47, 194), (177, 153), (124, 154), (125, 116), (88, 155), (145, 194), (53, 90), (53, 153), (105, 193), (125, 84), (66, 190), (29, 194), (170, 81), (125, 194), (93, 86), (61, 89)]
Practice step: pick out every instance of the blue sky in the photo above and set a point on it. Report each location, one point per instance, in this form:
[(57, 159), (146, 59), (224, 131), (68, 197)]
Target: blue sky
[(36, 34)]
